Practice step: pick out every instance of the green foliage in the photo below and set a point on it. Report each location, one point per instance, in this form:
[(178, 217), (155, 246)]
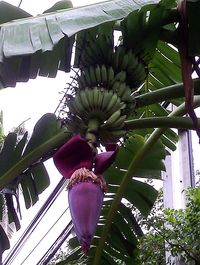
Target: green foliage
[(173, 230), (25, 167)]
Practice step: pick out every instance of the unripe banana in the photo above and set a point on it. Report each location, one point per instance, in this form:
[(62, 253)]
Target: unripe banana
[(104, 74), (126, 96), (100, 99), (133, 62), (89, 94), (110, 75), (116, 86), (117, 106), (84, 100), (116, 135), (82, 81), (95, 98), (115, 61), (119, 123), (121, 89), (92, 76), (122, 53), (107, 95), (78, 105), (112, 103), (98, 74), (125, 62), (121, 76), (112, 119), (87, 77)]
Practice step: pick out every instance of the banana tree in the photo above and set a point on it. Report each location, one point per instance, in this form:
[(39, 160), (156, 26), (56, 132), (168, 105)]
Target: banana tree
[(116, 99)]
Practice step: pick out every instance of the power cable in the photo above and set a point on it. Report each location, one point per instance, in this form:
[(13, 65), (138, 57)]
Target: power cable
[(56, 245), (44, 236), (32, 226)]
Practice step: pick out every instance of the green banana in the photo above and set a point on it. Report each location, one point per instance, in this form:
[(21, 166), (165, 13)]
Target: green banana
[(110, 76), (86, 75), (125, 62), (126, 96), (121, 76), (89, 95), (122, 53), (116, 86), (115, 60), (92, 76), (112, 119), (111, 136), (119, 123), (133, 61), (104, 74), (116, 135), (95, 98), (78, 105), (98, 74), (107, 95), (84, 100), (112, 103), (100, 100), (121, 89), (82, 81)]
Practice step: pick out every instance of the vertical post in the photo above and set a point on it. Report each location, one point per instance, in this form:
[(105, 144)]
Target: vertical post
[(179, 176)]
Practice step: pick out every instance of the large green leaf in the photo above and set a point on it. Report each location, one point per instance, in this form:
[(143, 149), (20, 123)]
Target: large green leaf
[(42, 62), (25, 165), (141, 30), (32, 40), (151, 166)]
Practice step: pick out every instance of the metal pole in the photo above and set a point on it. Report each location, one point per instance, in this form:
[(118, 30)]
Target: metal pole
[(179, 176)]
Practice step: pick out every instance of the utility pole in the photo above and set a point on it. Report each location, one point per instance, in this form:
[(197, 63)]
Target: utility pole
[(179, 176)]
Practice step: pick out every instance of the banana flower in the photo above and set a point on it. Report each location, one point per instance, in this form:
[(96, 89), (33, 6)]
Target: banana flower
[(76, 161)]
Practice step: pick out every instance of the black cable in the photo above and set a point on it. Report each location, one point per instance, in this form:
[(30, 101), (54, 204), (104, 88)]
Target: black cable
[(44, 236), (43, 210), (56, 245)]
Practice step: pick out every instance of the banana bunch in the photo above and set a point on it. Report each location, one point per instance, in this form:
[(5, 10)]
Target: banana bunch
[(111, 136), (103, 105), (98, 75), (97, 51), (96, 102), (128, 62)]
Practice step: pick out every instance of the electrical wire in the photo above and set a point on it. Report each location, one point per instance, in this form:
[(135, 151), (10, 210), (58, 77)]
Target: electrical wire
[(32, 226), (51, 227), (56, 245)]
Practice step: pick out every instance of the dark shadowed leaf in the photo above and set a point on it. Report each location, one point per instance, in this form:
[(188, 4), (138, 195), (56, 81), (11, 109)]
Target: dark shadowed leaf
[(193, 13)]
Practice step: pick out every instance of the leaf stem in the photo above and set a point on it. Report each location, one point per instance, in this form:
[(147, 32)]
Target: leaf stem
[(131, 170), (161, 122), (165, 94)]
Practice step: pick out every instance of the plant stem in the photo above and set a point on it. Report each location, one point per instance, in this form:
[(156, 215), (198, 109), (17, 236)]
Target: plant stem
[(165, 94), (32, 157), (161, 122), (131, 170)]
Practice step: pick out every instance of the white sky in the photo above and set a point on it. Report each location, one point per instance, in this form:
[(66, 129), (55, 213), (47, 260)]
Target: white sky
[(32, 100)]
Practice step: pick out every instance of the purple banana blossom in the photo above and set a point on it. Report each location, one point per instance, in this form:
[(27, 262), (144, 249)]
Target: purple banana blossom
[(76, 161)]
